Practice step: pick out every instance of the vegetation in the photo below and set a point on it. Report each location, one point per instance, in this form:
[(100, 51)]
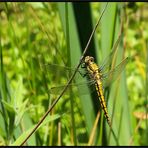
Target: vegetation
[(35, 34)]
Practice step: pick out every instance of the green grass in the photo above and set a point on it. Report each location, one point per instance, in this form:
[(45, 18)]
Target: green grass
[(32, 34)]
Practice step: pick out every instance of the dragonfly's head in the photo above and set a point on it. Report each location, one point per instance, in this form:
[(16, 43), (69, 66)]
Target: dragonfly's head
[(88, 60)]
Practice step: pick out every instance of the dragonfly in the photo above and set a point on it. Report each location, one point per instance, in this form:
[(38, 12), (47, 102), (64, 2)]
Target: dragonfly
[(99, 77)]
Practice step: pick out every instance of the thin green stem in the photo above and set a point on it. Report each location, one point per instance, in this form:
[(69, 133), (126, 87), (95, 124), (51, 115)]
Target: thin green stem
[(74, 140)]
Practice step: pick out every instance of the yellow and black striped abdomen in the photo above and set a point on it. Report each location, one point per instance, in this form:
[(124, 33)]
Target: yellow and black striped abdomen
[(99, 89)]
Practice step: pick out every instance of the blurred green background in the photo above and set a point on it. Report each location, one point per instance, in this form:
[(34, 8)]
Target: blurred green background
[(35, 34)]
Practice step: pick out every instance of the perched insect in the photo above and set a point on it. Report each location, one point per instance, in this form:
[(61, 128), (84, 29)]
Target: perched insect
[(98, 76)]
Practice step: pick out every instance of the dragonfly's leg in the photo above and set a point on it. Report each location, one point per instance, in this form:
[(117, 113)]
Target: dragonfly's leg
[(101, 68), (83, 65), (83, 74)]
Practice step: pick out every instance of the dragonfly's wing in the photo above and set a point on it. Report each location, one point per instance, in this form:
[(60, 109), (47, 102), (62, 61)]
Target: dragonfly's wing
[(107, 62), (81, 87), (109, 77), (63, 70), (58, 67)]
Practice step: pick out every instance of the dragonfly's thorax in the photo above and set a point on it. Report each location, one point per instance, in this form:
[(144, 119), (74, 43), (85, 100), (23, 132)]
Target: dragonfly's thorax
[(92, 67)]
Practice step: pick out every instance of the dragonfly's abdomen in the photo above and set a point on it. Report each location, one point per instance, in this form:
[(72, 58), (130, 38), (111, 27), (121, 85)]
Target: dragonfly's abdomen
[(99, 89)]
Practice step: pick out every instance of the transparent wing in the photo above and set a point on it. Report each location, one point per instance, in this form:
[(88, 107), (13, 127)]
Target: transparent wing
[(56, 66), (106, 63), (82, 88), (112, 75), (64, 70)]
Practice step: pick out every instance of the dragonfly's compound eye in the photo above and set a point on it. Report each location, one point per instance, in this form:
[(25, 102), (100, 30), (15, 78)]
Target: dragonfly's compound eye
[(86, 59), (91, 59)]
